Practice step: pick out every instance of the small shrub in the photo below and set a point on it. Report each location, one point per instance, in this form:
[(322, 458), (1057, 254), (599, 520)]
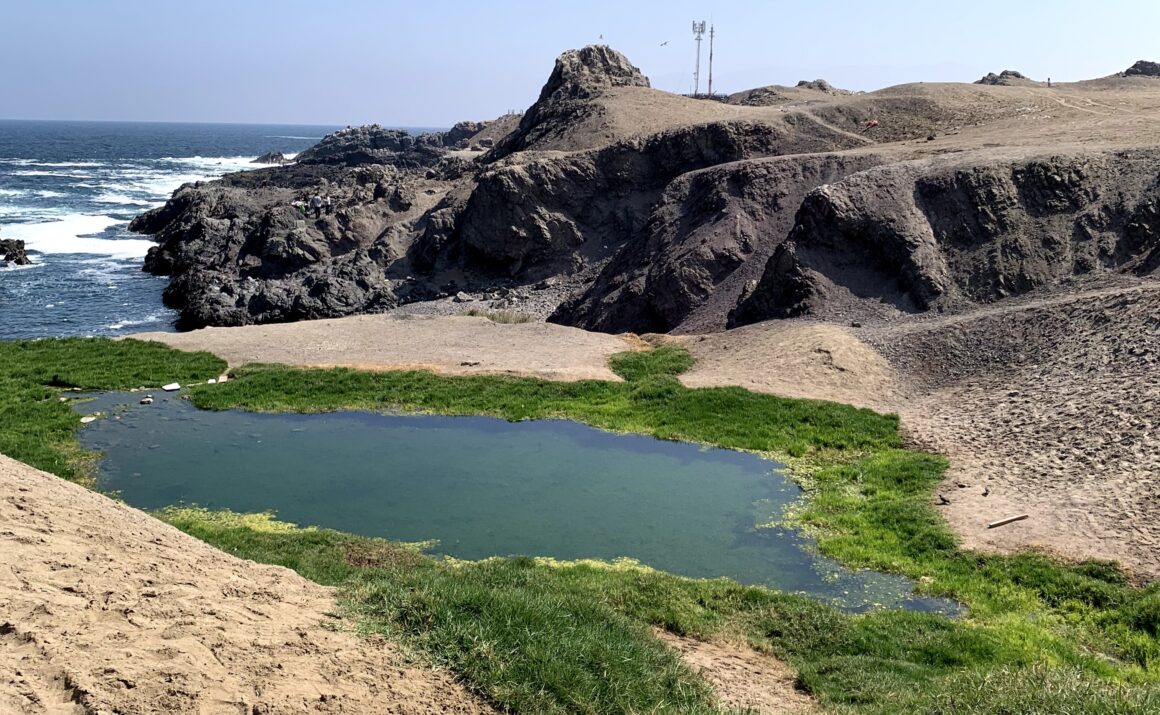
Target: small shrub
[(507, 317)]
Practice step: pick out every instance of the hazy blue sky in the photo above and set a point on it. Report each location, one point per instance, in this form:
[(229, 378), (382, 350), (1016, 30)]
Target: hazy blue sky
[(432, 62)]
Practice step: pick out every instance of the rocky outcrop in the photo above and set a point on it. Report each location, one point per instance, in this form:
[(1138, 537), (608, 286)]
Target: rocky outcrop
[(239, 251), (462, 132), (12, 252), (919, 236), (704, 245), (355, 146), (616, 207), (273, 157), (1006, 77), (542, 216), (579, 76), (1143, 68), (821, 85)]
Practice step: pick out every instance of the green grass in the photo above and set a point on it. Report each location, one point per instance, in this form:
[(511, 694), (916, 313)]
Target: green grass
[(39, 429), (544, 637)]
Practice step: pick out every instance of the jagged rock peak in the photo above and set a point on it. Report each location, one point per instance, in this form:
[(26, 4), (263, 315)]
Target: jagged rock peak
[(1004, 77), (820, 85), (373, 144), (1143, 68), (582, 73)]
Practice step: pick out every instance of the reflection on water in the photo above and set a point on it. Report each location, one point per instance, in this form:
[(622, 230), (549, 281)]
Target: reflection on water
[(481, 487)]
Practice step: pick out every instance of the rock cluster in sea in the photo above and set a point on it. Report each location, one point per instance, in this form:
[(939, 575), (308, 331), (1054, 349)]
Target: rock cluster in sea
[(13, 252)]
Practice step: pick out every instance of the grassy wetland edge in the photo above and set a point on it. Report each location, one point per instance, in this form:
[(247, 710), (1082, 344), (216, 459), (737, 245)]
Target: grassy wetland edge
[(533, 635)]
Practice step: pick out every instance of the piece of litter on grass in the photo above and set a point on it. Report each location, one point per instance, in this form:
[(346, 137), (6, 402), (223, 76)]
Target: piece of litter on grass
[(171, 387), (211, 381)]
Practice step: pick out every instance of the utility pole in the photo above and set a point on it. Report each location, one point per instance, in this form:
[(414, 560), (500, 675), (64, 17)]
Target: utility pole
[(698, 32), (712, 31)]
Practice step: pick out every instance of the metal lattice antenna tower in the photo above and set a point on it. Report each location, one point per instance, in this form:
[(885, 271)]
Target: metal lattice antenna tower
[(712, 31), (698, 32)]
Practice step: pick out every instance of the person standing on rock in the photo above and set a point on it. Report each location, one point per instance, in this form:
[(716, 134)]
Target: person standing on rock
[(329, 206), (316, 204)]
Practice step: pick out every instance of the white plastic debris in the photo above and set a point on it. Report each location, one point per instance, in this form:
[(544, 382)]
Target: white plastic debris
[(171, 387)]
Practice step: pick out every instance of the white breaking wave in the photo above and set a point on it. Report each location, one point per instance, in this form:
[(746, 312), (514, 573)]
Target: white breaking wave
[(215, 164), (12, 192), (122, 199), (74, 234), (65, 163), (285, 136), (13, 267), (50, 194), (73, 174), (128, 323)]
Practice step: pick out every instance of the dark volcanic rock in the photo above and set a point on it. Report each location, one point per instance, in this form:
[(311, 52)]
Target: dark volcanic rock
[(579, 75), (918, 236), (462, 132), (273, 157), (1003, 78), (371, 145), (239, 252), (744, 216), (1143, 68), (821, 85), (12, 251), (707, 239), (543, 216)]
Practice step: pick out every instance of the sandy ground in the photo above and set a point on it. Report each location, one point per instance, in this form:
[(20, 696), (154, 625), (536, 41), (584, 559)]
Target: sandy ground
[(1047, 405), (744, 679), (795, 359), (104, 609), (450, 345)]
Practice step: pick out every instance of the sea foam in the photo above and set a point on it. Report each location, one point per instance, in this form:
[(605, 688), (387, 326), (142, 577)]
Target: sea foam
[(75, 234)]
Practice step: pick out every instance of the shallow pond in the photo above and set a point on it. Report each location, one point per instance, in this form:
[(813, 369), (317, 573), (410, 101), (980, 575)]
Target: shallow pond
[(481, 487)]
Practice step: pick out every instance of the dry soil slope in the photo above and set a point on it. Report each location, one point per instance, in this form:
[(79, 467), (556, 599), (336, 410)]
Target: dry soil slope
[(104, 609)]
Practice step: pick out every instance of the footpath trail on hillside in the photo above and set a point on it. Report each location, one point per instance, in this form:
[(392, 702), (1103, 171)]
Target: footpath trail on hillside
[(105, 609)]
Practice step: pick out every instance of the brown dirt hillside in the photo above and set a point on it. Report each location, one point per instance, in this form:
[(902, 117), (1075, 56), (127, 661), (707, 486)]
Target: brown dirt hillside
[(104, 610), (1047, 404)]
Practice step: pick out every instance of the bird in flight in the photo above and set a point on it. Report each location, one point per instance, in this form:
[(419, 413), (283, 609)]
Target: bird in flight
[(664, 43)]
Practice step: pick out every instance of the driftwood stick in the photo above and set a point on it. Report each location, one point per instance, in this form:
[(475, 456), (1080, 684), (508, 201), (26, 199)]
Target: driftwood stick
[(1008, 520)]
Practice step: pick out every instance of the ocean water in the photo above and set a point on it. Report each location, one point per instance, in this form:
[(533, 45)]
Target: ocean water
[(69, 190)]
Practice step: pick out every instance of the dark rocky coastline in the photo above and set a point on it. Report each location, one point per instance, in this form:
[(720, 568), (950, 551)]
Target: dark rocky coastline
[(776, 202)]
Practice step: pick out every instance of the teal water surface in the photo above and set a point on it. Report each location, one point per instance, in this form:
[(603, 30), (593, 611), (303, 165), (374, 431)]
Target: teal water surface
[(481, 487)]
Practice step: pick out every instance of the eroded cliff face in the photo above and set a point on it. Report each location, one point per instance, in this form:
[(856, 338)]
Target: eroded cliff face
[(943, 235), (414, 221), (704, 242), (707, 215), (538, 215)]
